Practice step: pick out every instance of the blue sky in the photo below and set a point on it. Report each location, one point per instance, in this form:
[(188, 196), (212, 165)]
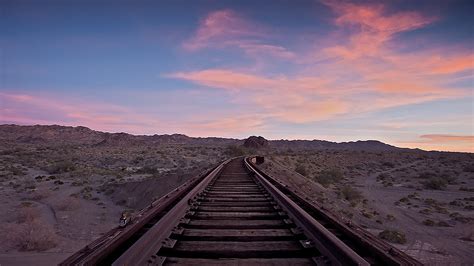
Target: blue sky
[(400, 72)]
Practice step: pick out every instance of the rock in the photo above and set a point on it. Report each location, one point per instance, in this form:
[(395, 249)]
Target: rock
[(255, 142)]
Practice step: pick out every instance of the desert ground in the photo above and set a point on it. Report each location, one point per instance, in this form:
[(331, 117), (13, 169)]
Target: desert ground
[(57, 197), (62, 187), (427, 198)]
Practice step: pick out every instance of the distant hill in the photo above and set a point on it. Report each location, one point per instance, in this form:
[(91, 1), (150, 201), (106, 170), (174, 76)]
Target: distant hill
[(255, 142), (369, 145), (55, 134)]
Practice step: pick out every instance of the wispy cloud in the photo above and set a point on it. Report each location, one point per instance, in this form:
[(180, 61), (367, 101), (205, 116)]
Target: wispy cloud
[(31, 109), (228, 29), (221, 28), (360, 71), (449, 138), (442, 142), (371, 27), (35, 109)]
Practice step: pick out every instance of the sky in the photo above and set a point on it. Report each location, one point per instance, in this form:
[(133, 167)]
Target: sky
[(396, 71)]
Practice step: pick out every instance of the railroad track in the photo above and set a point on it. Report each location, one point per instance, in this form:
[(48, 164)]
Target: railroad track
[(236, 215)]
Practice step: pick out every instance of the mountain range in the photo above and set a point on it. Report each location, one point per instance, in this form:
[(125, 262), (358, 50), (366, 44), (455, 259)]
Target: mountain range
[(55, 134)]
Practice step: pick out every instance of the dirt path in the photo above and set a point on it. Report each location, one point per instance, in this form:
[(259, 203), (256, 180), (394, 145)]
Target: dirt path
[(48, 212)]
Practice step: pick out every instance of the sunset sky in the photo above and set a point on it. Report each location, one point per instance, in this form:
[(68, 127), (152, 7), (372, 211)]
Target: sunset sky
[(400, 72)]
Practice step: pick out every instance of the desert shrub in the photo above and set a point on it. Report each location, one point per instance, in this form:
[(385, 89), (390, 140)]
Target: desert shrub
[(18, 171), (383, 176), (367, 215), (442, 224), (429, 222), (469, 207), (301, 169), (460, 218), (25, 204), (469, 168), (351, 194), (468, 237), (138, 159), (404, 199), (61, 167), (148, 169), (436, 183), (430, 201), (426, 211), (77, 183), (456, 203), (32, 235), (426, 175), (388, 164), (329, 176), (234, 151), (466, 189), (449, 179), (393, 236)]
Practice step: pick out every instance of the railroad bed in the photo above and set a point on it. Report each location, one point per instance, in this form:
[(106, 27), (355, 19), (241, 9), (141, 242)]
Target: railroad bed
[(236, 220), (235, 214)]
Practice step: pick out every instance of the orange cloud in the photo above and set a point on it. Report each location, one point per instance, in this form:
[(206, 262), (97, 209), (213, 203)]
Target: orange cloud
[(448, 138), (224, 79), (373, 27), (296, 99), (235, 80), (448, 65), (225, 125), (358, 73), (442, 142)]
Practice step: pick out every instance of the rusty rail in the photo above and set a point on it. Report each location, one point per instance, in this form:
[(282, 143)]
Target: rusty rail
[(108, 247), (377, 251), (235, 213)]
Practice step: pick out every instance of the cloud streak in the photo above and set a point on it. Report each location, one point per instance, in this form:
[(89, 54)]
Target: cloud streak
[(442, 142), (35, 109)]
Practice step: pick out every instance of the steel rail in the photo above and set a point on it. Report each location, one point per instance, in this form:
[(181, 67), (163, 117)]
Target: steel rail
[(382, 252), (101, 250), (328, 244), (142, 250), (173, 209)]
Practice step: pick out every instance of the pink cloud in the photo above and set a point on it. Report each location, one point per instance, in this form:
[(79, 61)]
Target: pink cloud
[(224, 79), (35, 109), (256, 49), (442, 142), (225, 126), (296, 99), (220, 27), (449, 138), (236, 80), (226, 28), (372, 27)]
